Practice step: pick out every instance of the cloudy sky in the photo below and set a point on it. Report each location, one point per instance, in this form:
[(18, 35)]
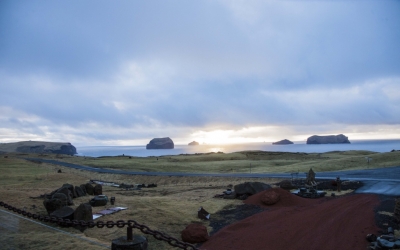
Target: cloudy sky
[(214, 71)]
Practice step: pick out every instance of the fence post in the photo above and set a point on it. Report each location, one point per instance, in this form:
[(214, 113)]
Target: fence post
[(130, 242)]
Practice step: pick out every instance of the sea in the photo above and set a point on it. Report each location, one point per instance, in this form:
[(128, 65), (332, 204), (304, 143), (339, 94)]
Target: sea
[(380, 146)]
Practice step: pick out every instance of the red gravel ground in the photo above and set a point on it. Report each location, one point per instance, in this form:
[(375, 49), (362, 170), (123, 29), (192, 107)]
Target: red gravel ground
[(299, 223)]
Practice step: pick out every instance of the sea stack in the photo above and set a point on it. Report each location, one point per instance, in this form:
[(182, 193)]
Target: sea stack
[(328, 139), (160, 143), (282, 142), (193, 143)]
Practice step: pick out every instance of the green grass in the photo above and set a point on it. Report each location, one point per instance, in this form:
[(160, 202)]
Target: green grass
[(20, 172), (242, 162)]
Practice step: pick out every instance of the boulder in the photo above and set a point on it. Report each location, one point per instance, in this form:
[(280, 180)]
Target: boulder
[(83, 187), (287, 185), (71, 188), (270, 197), (98, 189), (52, 205), (327, 139), (282, 142), (64, 213), (39, 147), (193, 143), (89, 189), (250, 188), (67, 193), (194, 233), (83, 212), (79, 191), (62, 197), (100, 200), (160, 143)]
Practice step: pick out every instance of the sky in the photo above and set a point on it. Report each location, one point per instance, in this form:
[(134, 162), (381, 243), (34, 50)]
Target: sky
[(99, 72)]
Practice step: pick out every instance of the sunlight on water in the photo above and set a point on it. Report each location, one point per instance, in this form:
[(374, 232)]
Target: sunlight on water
[(215, 150), (141, 151)]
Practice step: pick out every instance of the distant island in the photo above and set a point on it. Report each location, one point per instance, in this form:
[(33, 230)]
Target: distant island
[(193, 143), (39, 147), (160, 143), (282, 142), (328, 139)]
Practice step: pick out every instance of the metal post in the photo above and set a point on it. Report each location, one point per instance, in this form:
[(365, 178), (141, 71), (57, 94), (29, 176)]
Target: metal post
[(129, 235)]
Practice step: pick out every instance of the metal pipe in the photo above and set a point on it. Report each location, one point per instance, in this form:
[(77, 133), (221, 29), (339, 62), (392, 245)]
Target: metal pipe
[(129, 235)]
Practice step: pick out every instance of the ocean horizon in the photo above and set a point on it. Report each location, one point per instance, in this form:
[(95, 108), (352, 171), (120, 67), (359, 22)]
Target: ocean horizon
[(380, 146)]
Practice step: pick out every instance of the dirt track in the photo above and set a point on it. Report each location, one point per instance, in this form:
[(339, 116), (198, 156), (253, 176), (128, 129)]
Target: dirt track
[(298, 223)]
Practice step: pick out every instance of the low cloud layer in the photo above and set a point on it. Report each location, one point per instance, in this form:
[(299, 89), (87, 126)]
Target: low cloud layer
[(100, 73)]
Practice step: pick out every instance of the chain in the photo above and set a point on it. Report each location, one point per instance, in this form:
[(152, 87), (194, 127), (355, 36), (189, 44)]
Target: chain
[(101, 224)]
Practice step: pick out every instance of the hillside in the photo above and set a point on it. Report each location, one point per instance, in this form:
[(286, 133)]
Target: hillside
[(38, 147)]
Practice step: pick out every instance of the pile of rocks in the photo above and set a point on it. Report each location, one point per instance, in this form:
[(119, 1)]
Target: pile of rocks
[(57, 202), (385, 241)]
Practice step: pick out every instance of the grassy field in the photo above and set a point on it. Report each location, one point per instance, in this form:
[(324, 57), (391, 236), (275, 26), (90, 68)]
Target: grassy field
[(242, 162), (169, 207)]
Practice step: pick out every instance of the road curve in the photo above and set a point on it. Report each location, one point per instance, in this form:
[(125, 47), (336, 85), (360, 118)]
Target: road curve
[(377, 180)]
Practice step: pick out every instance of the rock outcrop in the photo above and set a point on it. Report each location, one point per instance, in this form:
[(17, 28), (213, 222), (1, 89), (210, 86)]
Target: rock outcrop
[(282, 142), (327, 139), (39, 147), (160, 143), (193, 143)]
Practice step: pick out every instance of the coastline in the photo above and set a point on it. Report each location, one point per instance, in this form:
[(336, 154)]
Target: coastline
[(379, 146)]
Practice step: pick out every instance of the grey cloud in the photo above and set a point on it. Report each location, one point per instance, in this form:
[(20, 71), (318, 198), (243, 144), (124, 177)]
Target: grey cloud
[(198, 65)]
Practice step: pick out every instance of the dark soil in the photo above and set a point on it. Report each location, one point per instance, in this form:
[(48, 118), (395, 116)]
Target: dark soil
[(232, 214)]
